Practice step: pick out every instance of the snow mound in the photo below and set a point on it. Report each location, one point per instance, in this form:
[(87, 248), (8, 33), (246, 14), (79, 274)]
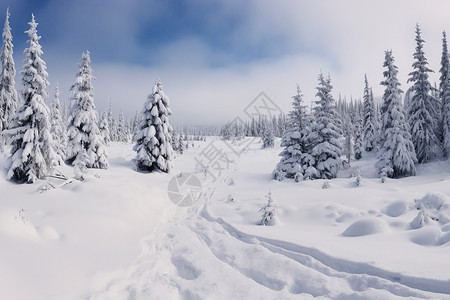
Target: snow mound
[(47, 232), (366, 226), (397, 208), (430, 201), (426, 236), (445, 238)]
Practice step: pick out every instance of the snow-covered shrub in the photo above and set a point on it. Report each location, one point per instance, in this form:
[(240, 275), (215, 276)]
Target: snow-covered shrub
[(421, 219)]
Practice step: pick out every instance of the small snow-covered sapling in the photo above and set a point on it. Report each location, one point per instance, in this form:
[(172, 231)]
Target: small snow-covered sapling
[(269, 211)]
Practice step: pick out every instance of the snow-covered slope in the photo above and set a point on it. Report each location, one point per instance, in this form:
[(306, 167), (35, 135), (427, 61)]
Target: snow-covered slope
[(117, 235)]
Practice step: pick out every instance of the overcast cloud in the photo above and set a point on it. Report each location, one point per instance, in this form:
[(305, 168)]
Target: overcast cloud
[(214, 58)]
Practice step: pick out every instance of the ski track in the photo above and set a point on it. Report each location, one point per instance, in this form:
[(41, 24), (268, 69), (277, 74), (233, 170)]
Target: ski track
[(198, 256)]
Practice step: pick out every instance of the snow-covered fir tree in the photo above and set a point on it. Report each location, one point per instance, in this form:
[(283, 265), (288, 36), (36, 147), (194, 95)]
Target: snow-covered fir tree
[(111, 124), (369, 117), (9, 98), (348, 144), (422, 109), (359, 145), (32, 153), (83, 133), (58, 130), (268, 136), (122, 130), (444, 90), (269, 212), (154, 144), (396, 156), (181, 146), (326, 132), (175, 137), (104, 129), (293, 141)]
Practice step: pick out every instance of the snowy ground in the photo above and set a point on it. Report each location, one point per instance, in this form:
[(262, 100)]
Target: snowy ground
[(117, 236)]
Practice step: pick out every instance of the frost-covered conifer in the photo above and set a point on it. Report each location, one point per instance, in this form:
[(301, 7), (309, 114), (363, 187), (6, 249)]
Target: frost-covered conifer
[(293, 141), (9, 98), (269, 216), (369, 117), (325, 133), (348, 144), (175, 137), (268, 136), (32, 153), (444, 88), (422, 110), (122, 132), (104, 129), (154, 144), (181, 145), (83, 133), (58, 130), (358, 146), (396, 156)]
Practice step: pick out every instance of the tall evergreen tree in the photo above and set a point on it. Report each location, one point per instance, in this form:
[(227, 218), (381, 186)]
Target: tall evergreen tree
[(84, 139), (326, 132), (293, 141), (348, 144), (32, 154), (358, 146), (396, 155), (104, 129), (268, 136), (369, 117), (444, 93), (422, 111), (9, 98), (58, 129), (154, 145)]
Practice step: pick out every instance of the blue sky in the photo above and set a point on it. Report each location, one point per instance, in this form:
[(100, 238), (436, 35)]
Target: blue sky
[(214, 57)]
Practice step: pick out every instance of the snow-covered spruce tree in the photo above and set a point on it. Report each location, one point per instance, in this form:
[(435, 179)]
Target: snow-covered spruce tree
[(422, 111), (268, 136), (83, 133), (269, 212), (175, 137), (9, 98), (348, 144), (181, 146), (32, 153), (396, 156), (369, 117), (58, 130), (326, 132), (111, 124), (154, 144), (293, 141), (444, 88), (358, 146), (122, 132), (104, 129)]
